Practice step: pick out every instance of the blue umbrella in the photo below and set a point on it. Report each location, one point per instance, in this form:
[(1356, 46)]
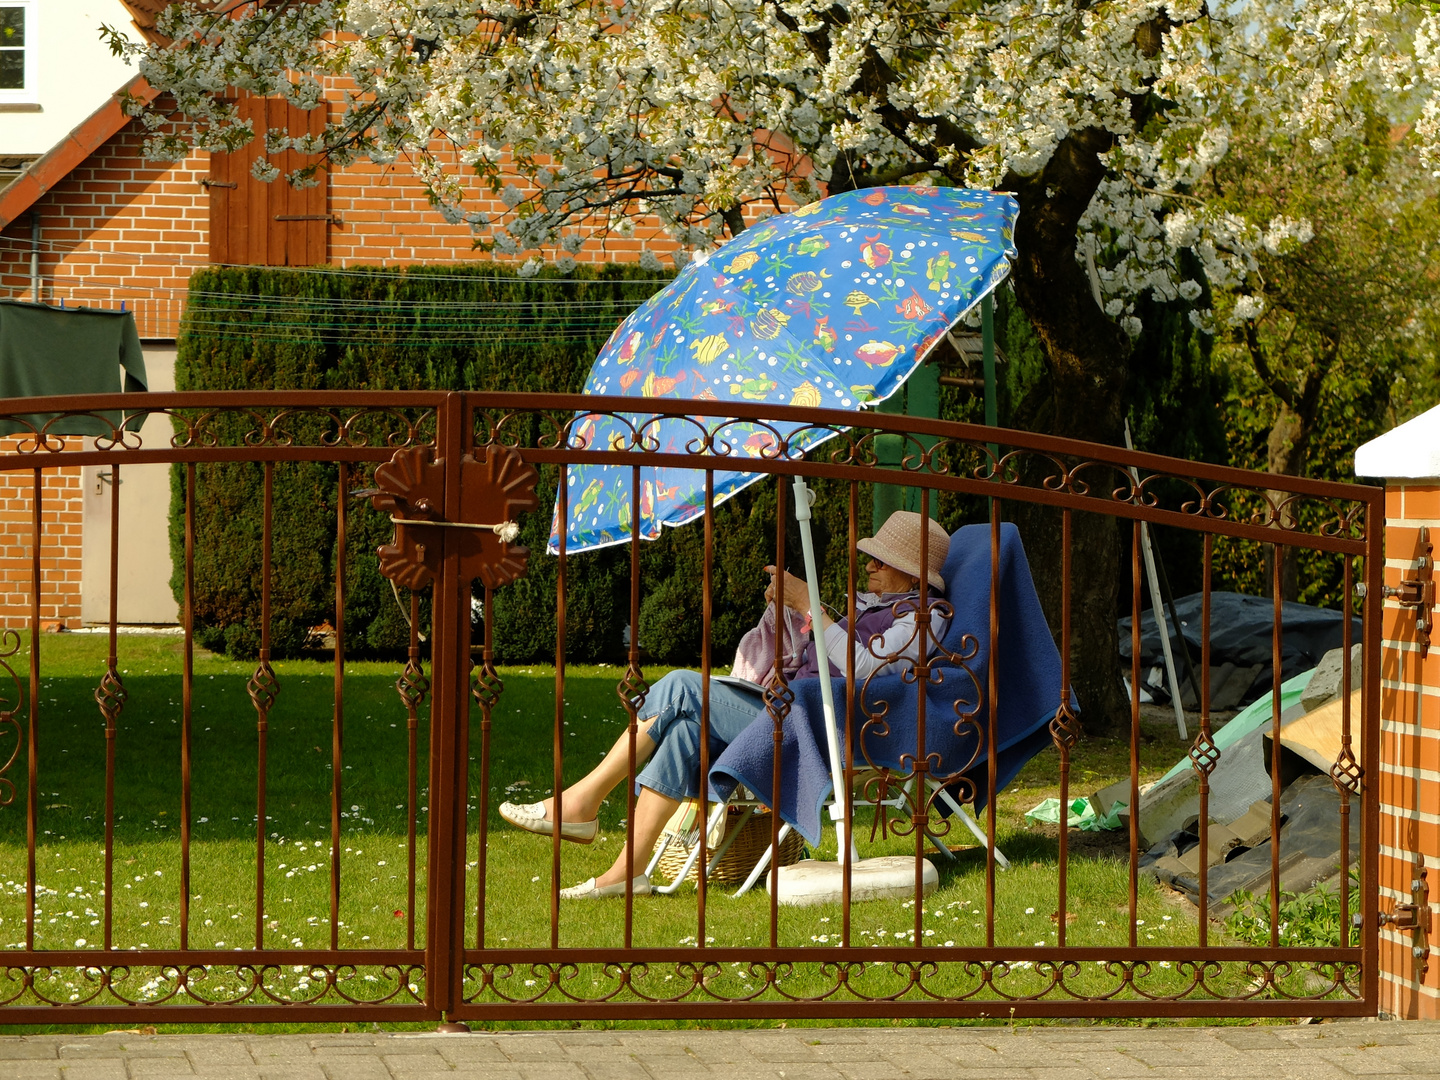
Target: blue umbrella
[(831, 306)]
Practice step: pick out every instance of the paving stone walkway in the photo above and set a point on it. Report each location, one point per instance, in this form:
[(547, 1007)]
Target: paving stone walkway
[(1302, 1052)]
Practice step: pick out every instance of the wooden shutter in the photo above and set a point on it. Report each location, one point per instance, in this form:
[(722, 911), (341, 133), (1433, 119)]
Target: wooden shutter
[(257, 224)]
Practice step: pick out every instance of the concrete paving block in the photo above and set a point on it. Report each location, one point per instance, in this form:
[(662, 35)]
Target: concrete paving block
[(161, 1066), (297, 1071), (213, 1053), (713, 1048), (1358, 1061), (786, 1070), (838, 1053), (88, 1047), (1311, 1069), (586, 1053), (618, 1070), (550, 1070), (867, 1070), (359, 1038), (472, 1050), (98, 1069), (924, 1064), (1250, 1038), (540, 1050), (669, 1064), (777, 1048), (404, 1066), (671, 1042), (484, 1070), (1119, 1062), (16, 1049), (31, 1069), (354, 1067), (393, 1046)]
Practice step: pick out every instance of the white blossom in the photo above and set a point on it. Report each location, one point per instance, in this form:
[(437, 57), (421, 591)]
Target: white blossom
[(586, 118)]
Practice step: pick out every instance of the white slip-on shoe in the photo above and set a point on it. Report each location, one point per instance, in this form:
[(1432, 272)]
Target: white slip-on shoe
[(531, 818), (588, 890)]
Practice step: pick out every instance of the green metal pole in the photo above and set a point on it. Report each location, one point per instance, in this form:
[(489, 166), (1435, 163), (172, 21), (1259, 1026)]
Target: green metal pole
[(887, 498), (987, 356)]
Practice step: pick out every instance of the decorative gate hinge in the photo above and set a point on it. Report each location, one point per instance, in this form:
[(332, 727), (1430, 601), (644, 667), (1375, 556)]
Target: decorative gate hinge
[(494, 491), (1415, 917), (1417, 589)]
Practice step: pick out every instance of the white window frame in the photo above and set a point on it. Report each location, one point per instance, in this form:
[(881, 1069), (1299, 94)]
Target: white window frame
[(30, 92)]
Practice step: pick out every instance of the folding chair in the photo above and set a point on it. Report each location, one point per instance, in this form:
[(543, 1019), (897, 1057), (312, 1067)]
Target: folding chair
[(1028, 672)]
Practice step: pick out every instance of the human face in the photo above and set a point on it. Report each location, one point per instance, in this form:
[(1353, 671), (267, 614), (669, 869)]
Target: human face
[(882, 578)]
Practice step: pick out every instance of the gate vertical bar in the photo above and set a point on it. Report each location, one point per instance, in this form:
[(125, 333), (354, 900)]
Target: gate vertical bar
[(337, 727), (1134, 903), (263, 689), (187, 705), (444, 938), (32, 763), (111, 698), (557, 805), (1370, 632), (1276, 642)]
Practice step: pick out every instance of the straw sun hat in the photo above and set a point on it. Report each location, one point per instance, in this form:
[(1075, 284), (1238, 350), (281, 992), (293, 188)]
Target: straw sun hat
[(897, 544)]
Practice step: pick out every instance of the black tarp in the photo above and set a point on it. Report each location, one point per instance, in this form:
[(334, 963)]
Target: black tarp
[(1240, 634)]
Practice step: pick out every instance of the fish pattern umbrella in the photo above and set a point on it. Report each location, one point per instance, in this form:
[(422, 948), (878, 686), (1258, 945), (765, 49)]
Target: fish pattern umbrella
[(833, 306)]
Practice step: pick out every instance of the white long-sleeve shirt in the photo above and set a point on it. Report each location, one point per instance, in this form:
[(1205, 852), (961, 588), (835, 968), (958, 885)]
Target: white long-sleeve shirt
[(900, 638)]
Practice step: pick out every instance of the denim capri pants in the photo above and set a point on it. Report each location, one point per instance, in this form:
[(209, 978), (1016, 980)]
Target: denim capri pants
[(674, 768)]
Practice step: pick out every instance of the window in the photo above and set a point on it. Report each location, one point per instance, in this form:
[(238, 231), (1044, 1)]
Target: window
[(17, 50)]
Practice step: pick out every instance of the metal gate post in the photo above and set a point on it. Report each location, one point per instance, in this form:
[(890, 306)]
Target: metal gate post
[(449, 738)]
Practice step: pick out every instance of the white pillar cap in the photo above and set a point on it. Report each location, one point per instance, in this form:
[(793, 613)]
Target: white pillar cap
[(1410, 451)]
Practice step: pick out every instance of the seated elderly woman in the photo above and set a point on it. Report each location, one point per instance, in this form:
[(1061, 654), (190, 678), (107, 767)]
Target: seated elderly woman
[(668, 739)]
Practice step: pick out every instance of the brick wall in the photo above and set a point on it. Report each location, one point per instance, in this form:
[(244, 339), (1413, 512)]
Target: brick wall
[(60, 543), (1409, 774), (122, 229), (118, 228)]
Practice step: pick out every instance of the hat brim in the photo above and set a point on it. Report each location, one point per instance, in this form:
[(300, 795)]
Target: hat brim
[(876, 550)]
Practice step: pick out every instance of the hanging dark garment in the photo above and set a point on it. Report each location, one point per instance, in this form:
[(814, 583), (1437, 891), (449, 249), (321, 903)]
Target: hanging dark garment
[(46, 351)]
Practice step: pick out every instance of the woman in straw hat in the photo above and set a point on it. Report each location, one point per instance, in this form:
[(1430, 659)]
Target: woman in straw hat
[(668, 737)]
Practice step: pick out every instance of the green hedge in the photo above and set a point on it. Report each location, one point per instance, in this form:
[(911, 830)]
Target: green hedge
[(481, 327), (436, 328)]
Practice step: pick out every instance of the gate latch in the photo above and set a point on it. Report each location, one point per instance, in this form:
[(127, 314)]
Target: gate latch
[(1414, 916), (1417, 589)]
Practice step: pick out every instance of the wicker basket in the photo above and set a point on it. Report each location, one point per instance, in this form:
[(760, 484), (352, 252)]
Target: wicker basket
[(742, 855)]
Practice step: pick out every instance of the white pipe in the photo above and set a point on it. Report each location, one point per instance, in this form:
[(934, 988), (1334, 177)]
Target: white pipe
[(1158, 605), (804, 499)]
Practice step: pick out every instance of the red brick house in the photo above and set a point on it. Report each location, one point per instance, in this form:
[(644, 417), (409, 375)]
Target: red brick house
[(92, 222)]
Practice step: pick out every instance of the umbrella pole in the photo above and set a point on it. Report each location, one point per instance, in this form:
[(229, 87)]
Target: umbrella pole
[(804, 497)]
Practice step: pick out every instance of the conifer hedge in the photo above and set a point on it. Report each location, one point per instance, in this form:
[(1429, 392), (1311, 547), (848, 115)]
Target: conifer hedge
[(479, 327)]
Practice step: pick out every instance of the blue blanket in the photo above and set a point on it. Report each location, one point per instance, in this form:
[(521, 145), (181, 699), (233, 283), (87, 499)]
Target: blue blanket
[(957, 715)]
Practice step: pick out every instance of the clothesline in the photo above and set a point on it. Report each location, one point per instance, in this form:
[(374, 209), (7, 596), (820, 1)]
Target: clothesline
[(407, 271)]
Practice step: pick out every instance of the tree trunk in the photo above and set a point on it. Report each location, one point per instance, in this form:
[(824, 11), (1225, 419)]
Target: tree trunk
[(1285, 455), (1088, 360)]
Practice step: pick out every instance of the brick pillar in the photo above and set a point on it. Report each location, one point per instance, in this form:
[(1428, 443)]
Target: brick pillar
[(1408, 459)]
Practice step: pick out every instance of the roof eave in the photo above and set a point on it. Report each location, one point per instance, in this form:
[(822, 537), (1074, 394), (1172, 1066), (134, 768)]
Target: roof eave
[(61, 159)]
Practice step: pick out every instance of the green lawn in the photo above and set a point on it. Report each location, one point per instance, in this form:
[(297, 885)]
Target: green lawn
[(375, 904)]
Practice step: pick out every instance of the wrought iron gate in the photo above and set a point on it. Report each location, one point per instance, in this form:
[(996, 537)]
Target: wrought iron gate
[(445, 469)]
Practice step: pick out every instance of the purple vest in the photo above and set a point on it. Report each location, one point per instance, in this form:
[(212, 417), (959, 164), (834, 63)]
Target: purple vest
[(869, 622)]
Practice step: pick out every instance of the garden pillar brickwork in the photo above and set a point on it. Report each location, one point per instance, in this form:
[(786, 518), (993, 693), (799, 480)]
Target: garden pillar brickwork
[(1408, 460)]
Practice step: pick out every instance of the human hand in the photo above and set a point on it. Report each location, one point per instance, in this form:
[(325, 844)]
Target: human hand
[(794, 593)]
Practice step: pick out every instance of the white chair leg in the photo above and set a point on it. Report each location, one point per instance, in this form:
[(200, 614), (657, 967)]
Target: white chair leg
[(665, 841), (691, 859), (970, 823), (763, 864)]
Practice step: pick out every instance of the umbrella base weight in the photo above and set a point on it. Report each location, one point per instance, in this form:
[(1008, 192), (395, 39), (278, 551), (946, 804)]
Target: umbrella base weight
[(885, 878)]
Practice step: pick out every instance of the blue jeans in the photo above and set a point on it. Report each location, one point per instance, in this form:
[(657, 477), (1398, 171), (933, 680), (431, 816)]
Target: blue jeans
[(674, 768)]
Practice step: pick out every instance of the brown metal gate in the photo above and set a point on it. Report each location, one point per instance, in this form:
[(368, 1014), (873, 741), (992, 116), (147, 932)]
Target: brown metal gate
[(474, 938)]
